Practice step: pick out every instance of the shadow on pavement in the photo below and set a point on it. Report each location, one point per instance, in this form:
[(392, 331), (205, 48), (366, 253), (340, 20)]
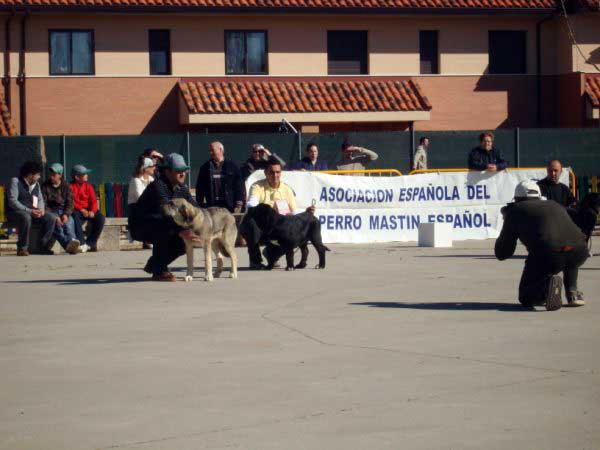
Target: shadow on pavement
[(86, 280), (449, 306), (468, 256)]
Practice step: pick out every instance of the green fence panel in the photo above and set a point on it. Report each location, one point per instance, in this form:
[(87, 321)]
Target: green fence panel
[(577, 148), (14, 151), (450, 149), (237, 147), (112, 158), (393, 147)]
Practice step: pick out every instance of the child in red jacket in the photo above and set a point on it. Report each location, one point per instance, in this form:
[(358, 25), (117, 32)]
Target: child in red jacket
[(85, 208)]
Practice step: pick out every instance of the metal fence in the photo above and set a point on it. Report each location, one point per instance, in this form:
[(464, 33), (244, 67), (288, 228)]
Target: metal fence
[(112, 158)]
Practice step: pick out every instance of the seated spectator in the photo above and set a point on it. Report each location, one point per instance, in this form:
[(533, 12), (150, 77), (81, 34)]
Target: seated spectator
[(275, 193), (219, 182), (553, 189), (156, 156), (420, 158), (142, 177), (355, 158), (85, 209), (259, 156), (311, 160), (59, 203), (147, 222), (486, 156), (25, 207)]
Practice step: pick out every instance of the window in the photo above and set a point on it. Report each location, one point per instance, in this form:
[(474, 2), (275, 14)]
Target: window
[(428, 51), (347, 53), (71, 52), (245, 52), (507, 52), (159, 47)]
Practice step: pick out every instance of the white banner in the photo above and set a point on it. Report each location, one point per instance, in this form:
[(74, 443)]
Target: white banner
[(385, 209)]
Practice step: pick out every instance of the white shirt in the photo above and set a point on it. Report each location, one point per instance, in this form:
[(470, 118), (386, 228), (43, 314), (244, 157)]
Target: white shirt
[(137, 185)]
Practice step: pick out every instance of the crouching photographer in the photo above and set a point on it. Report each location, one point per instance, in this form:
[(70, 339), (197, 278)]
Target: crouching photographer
[(554, 244)]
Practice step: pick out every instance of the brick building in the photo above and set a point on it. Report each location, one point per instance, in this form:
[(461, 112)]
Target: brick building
[(146, 66)]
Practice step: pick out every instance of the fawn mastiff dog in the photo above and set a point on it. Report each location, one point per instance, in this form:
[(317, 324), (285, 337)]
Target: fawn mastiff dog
[(215, 226)]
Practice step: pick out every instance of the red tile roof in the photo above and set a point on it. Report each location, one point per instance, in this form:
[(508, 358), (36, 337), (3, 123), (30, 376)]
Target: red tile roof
[(295, 4), (6, 124), (302, 95), (592, 89)]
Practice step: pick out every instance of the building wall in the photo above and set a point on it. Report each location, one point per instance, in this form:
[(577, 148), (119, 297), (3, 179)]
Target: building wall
[(123, 99), (586, 54), (297, 44)]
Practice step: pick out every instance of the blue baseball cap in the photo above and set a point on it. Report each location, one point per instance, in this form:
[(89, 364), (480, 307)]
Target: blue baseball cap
[(80, 169), (56, 168), (175, 161)]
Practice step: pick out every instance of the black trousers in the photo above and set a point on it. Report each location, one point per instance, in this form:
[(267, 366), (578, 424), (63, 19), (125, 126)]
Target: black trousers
[(255, 237), (23, 220), (163, 233), (541, 265), (97, 225)]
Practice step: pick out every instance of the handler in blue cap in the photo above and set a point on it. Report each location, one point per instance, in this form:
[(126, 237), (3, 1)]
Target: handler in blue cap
[(147, 223)]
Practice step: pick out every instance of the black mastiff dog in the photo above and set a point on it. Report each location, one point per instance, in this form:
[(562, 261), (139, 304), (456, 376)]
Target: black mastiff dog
[(586, 215), (290, 232)]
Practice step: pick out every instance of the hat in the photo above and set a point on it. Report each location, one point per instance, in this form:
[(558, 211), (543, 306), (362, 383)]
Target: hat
[(147, 163), (527, 189), (175, 162), (80, 169), (56, 168)]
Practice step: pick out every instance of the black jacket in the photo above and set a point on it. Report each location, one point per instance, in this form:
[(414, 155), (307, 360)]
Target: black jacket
[(540, 225), (158, 193), (480, 158), (231, 184), (558, 192)]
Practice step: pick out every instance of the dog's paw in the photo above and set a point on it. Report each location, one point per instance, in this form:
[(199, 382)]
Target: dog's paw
[(300, 266), (233, 275), (289, 268), (188, 278), (208, 277), (319, 266), (218, 274)]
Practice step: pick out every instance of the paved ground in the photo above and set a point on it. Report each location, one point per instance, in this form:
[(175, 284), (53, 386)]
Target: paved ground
[(390, 347)]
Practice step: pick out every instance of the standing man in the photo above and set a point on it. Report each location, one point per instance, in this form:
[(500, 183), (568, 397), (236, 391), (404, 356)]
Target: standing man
[(85, 209), (486, 156), (311, 160), (420, 158), (219, 181), (355, 158), (555, 244), (26, 207), (553, 189), (148, 223), (259, 157), (59, 203)]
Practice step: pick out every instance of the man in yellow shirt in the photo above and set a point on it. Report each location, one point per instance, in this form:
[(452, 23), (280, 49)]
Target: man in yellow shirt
[(273, 192)]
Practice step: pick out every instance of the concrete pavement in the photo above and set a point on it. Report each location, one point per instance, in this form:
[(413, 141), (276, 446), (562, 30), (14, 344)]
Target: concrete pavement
[(391, 346)]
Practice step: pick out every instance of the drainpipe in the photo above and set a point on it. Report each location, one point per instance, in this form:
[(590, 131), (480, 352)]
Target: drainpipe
[(6, 79), (21, 79), (538, 56)]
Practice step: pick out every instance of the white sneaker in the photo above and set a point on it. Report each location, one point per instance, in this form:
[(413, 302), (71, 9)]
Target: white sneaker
[(73, 246), (84, 248)]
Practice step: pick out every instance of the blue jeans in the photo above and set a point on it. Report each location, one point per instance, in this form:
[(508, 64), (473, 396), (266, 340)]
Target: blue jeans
[(66, 233), (97, 224)]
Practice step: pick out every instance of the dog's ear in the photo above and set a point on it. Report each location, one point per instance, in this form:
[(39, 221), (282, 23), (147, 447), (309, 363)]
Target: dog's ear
[(186, 214)]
